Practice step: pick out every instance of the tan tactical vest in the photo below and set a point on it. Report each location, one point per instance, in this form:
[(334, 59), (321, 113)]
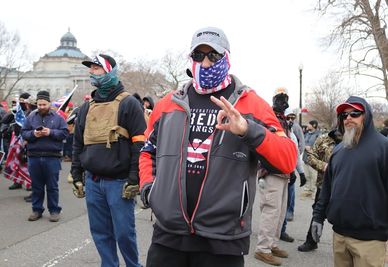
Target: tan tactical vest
[(102, 122)]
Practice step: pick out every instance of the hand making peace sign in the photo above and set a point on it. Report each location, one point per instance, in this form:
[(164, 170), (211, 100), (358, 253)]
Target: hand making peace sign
[(229, 118)]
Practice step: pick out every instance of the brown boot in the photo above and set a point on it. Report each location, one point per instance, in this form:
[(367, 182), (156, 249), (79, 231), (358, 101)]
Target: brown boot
[(277, 252), (35, 216), (267, 258), (54, 217)]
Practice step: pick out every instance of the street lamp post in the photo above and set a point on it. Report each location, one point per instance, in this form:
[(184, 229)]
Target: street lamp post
[(300, 94)]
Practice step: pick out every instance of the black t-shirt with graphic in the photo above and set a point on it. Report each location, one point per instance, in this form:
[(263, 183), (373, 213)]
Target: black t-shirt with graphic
[(202, 124)]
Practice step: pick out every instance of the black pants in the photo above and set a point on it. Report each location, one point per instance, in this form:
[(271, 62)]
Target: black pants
[(161, 256), (309, 238)]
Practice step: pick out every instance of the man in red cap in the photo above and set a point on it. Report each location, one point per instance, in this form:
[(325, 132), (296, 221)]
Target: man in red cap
[(354, 195)]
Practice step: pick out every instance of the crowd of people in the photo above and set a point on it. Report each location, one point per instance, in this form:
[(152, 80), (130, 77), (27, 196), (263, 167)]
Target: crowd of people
[(195, 158)]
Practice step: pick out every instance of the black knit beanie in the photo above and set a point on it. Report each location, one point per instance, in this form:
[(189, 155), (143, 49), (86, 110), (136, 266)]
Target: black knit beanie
[(24, 95), (43, 95)]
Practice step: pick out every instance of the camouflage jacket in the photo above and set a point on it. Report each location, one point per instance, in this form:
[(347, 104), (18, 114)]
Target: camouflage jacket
[(318, 156)]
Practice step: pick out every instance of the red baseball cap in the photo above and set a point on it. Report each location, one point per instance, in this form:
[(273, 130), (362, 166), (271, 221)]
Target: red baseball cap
[(341, 107)]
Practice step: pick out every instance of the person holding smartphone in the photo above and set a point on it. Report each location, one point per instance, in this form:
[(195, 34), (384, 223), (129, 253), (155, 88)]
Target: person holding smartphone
[(44, 131)]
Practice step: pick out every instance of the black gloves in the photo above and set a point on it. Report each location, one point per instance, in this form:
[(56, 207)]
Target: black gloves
[(78, 175), (302, 179), (144, 195), (292, 178)]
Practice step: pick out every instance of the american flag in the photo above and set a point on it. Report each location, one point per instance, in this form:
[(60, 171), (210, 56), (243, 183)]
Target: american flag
[(197, 149), (20, 117), (205, 81), (16, 170)]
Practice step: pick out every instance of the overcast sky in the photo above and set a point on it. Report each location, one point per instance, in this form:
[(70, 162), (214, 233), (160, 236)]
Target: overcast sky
[(268, 39)]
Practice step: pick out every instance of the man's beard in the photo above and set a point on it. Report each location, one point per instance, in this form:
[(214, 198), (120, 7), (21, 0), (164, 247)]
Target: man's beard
[(43, 112), (352, 136)]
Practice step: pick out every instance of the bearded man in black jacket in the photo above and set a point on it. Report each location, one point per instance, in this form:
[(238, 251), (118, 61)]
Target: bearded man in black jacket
[(354, 195)]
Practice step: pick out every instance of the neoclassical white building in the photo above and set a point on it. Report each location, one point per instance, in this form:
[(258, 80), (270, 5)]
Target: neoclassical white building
[(57, 72)]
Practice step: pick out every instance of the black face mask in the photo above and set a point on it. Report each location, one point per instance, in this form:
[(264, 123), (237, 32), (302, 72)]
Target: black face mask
[(290, 124), (23, 106), (280, 102)]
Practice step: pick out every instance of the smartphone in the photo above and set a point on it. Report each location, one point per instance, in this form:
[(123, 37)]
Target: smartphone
[(40, 128)]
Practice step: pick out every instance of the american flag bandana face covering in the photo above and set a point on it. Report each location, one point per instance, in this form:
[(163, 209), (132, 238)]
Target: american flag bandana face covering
[(212, 79)]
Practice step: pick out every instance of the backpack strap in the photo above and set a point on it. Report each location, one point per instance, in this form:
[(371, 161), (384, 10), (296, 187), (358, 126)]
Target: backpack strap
[(117, 130)]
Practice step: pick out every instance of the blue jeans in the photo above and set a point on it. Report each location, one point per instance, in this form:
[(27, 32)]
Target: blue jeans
[(291, 199), (111, 220), (44, 172), (290, 205)]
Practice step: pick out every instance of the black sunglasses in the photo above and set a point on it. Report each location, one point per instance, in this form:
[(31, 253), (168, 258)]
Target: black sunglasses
[(353, 114), (199, 56)]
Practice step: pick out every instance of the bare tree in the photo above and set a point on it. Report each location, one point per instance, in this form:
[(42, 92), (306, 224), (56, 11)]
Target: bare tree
[(144, 78), (13, 60), (321, 103), (360, 34), (173, 66), (380, 111), (156, 78)]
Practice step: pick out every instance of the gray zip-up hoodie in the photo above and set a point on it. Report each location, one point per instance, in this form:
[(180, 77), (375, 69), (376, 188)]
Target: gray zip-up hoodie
[(224, 207)]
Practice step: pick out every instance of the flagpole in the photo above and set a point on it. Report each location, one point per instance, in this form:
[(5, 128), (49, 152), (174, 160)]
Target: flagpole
[(66, 102)]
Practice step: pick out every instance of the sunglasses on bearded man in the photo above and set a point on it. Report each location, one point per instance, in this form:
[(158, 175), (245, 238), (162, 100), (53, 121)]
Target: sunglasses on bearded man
[(353, 114)]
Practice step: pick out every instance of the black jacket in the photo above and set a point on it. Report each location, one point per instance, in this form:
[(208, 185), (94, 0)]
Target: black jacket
[(119, 161), (384, 131), (354, 196)]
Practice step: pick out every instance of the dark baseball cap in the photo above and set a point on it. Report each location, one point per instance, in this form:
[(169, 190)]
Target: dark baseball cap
[(105, 61)]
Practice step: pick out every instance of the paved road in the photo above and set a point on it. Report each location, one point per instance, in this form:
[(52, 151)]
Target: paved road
[(68, 242)]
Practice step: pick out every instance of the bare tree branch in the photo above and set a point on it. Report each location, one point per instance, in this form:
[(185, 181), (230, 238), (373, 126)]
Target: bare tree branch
[(360, 34), (325, 97), (13, 60)]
